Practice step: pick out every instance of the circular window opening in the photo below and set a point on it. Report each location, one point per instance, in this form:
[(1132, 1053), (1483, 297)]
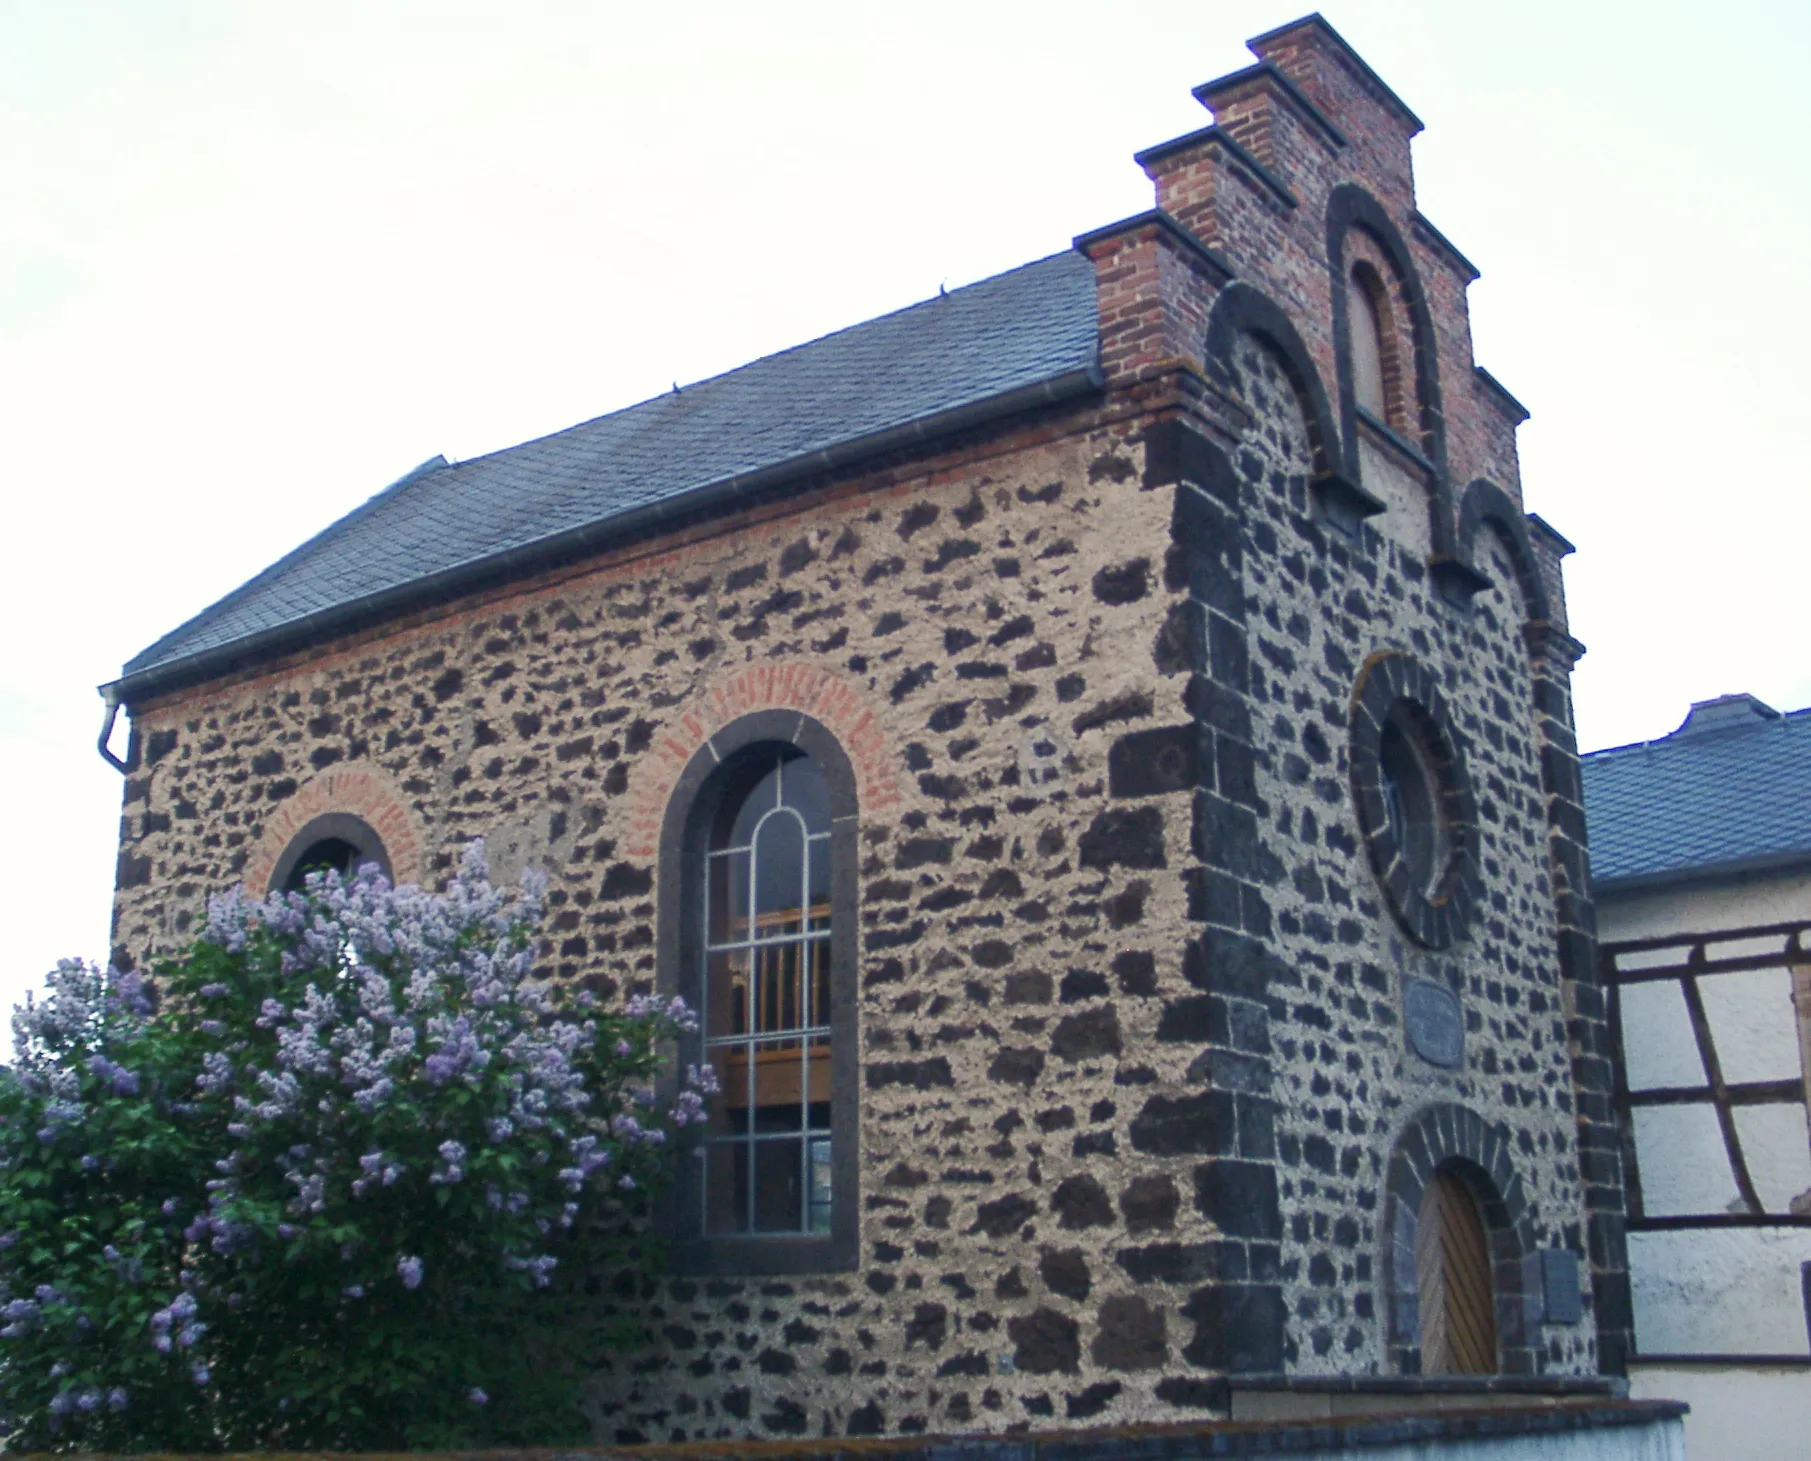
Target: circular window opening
[(1412, 803)]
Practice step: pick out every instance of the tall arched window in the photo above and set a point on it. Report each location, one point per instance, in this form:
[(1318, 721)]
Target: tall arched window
[(1365, 319), (758, 933), (337, 842), (1457, 1301), (767, 1000)]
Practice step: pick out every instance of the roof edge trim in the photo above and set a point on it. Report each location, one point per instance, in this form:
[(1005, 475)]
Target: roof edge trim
[(1216, 135), (1708, 872), (1261, 46), (1445, 247), (1319, 121), (592, 537), (1166, 223)]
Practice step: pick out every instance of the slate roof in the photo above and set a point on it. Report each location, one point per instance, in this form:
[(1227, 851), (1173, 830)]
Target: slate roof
[(1004, 343), (1731, 788)]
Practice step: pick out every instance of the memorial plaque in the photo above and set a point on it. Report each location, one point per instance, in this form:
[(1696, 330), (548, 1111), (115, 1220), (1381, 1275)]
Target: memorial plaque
[(1561, 1297), (1434, 1023)]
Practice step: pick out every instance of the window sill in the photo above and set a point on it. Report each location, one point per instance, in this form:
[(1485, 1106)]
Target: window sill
[(761, 1257)]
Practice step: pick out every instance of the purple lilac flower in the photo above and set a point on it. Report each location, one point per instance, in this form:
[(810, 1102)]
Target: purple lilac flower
[(200, 1373), (88, 1401), (477, 1396), (409, 1271), (214, 991)]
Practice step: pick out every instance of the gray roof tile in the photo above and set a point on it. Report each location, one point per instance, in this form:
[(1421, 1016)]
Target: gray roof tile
[(1031, 326), (1730, 788)]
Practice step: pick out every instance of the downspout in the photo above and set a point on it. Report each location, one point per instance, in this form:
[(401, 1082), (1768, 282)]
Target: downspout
[(110, 698)]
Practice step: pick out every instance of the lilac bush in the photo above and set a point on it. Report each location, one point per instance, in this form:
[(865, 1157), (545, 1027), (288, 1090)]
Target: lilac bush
[(346, 1175)]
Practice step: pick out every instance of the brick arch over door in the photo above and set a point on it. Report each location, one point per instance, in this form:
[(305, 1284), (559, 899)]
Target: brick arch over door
[(361, 792), (1451, 1139), (827, 698)]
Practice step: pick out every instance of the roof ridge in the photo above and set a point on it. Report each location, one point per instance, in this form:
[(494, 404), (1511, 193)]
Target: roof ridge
[(1784, 719)]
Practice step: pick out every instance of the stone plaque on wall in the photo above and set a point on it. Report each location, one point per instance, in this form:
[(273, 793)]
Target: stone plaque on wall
[(1434, 1023), (1561, 1298)]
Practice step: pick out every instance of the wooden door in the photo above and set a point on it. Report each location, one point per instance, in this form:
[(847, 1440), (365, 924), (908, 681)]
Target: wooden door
[(1452, 1272)]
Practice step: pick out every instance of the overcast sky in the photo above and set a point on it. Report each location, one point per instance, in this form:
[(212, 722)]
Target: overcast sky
[(256, 261)]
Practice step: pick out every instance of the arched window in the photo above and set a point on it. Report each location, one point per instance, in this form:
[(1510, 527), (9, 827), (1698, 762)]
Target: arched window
[(1457, 1301), (767, 1000), (757, 921), (1365, 316), (338, 841)]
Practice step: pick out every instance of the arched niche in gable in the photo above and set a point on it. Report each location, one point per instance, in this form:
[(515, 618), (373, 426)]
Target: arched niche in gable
[(1490, 521), (1257, 354), (1360, 233)]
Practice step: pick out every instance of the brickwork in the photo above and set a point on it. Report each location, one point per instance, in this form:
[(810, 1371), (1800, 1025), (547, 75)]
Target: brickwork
[(1134, 1069), (366, 794)]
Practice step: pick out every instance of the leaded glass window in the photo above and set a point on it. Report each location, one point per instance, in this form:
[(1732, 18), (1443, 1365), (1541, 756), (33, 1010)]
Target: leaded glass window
[(766, 1000)]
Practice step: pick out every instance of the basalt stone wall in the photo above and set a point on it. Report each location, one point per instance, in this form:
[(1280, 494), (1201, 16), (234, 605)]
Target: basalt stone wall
[(1013, 631), (1344, 1078)]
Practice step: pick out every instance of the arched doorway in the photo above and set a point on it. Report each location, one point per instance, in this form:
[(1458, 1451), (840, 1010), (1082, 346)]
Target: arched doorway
[(1456, 1298)]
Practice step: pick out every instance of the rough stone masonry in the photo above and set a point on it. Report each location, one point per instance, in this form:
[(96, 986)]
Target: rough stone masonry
[(1141, 1115)]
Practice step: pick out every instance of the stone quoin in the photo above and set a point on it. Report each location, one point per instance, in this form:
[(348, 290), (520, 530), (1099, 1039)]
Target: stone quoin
[(1073, 578)]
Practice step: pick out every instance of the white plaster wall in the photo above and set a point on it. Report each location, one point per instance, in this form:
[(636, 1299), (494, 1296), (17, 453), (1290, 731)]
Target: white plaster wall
[(1658, 1037), (1405, 516), (1750, 1018), (1733, 1291), (1738, 1412), (1744, 904), (1728, 1291), (1684, 1166), (1659, 1441)]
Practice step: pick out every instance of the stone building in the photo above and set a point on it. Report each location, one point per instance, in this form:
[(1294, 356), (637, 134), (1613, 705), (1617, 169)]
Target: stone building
[(1701, 866), (1098, 747)]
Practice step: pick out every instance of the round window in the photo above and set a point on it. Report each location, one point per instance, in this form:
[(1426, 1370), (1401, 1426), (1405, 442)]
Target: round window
[(1414, 804)]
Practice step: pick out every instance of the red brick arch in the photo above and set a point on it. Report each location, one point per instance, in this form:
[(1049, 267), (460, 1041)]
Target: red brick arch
[(825, 697), (364, 793)]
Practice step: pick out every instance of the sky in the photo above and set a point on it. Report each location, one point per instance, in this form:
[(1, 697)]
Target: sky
[(257, 261)]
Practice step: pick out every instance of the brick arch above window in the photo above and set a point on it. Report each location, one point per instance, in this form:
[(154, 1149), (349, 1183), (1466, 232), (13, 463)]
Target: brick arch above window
[(826, 698), (1452, 1140), (364, 793), (1359, 228)]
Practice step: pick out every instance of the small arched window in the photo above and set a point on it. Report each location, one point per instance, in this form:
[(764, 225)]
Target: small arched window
[(1365, 316), (338, 842), (1457, 1300), (758, 918)]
